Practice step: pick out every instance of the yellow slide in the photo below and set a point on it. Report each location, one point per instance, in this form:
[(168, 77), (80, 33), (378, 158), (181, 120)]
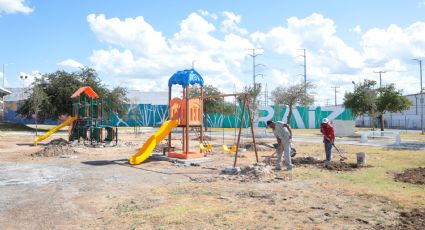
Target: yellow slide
[(150, 144), (56, 128)]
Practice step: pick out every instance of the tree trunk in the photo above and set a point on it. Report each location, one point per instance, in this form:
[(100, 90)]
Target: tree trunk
[(288, 119), (381, 118), (36, 125)]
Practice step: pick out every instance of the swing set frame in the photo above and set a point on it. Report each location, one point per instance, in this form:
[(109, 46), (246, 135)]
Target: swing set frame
[(245, 105)]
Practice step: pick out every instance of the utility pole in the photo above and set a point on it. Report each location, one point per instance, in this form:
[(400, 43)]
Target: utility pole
[(305, 71), (380, 77), (335, 87), (327, 102), (422, 93), (254, 55), (254, 75)]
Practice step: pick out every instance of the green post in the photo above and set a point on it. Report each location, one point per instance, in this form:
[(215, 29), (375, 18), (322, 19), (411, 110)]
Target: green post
[(101, 111), (116, 135), (109, 110)]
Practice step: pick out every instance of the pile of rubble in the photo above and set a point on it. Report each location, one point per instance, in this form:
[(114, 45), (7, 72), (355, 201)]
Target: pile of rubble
[(258, 172), (56, 147)]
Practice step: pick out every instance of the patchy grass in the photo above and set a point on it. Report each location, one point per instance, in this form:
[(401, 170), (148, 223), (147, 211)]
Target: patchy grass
[(377, 180), (416, 136)]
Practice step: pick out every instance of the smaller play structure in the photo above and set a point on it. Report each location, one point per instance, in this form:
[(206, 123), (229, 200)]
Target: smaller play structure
[(88, 121), (187, 113)]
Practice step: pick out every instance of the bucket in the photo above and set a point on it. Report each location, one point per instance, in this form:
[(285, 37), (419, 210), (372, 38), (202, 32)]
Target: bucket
[(361, 159)]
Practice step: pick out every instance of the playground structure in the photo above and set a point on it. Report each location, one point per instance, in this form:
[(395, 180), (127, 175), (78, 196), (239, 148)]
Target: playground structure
[(87, 121), (187, 114)]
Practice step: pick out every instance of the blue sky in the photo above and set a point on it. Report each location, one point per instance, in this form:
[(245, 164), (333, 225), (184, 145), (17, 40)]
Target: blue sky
[(140, 44)]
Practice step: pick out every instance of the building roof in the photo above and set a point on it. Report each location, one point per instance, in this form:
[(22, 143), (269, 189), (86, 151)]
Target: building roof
[(87, 90), (4, 92), (186, 77), (17, 94)]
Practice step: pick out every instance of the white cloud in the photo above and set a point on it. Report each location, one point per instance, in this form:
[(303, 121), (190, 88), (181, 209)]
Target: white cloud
[(206, 14), (146, 54), (231, 22), (357, 29), (71, 63), (14, 6), (326, 52), (382, 45), (140, 56), (131, 32)]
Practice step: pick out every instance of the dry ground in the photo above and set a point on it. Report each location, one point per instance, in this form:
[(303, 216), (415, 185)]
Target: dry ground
[(95, 188)]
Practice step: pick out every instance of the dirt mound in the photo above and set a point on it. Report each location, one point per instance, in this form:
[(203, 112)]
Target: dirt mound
[(414, 219), (333, 165), (339, 166), (258, 172), (413, 176), (59, 142), (261, 146), (56, 147)]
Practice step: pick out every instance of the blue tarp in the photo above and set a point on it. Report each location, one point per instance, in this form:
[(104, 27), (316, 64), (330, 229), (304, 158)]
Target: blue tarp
[(185, 77)]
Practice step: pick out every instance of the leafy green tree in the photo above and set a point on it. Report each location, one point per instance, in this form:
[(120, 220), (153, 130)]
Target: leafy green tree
[(363, 99), (390, 100), (292, 96), (60, 85), (366, 99)]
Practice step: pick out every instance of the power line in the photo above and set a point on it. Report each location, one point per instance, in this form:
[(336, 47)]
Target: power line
[(335, 87)]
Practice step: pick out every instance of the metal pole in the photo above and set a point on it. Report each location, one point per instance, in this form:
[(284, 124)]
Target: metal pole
[(305, 74), (335, 87), (4, 75), (422, 98), (421, 92)]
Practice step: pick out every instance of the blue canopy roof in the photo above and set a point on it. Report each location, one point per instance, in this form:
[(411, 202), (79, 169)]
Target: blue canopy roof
[(185, 77)]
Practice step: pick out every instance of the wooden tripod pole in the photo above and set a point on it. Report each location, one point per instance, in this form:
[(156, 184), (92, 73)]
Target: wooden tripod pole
[(252, 130), (240, 130)]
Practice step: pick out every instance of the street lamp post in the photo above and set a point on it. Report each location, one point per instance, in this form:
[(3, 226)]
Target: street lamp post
[(421, 92), (23, 78)]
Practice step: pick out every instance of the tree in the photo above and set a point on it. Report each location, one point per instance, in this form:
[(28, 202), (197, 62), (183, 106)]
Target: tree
[(60, 85), (390, 100), (252, 96), (292, 96), (39, 101), (363, 99), (375, 102)]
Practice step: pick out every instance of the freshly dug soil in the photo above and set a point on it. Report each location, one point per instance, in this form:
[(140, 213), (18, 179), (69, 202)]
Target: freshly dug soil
[(333, 165), (414, 219), (413, 176)]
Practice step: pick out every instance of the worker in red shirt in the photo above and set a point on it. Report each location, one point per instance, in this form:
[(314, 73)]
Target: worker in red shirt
[(328, 137)]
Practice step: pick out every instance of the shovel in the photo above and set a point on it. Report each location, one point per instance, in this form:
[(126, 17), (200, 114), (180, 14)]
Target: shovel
[(341, 154)]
